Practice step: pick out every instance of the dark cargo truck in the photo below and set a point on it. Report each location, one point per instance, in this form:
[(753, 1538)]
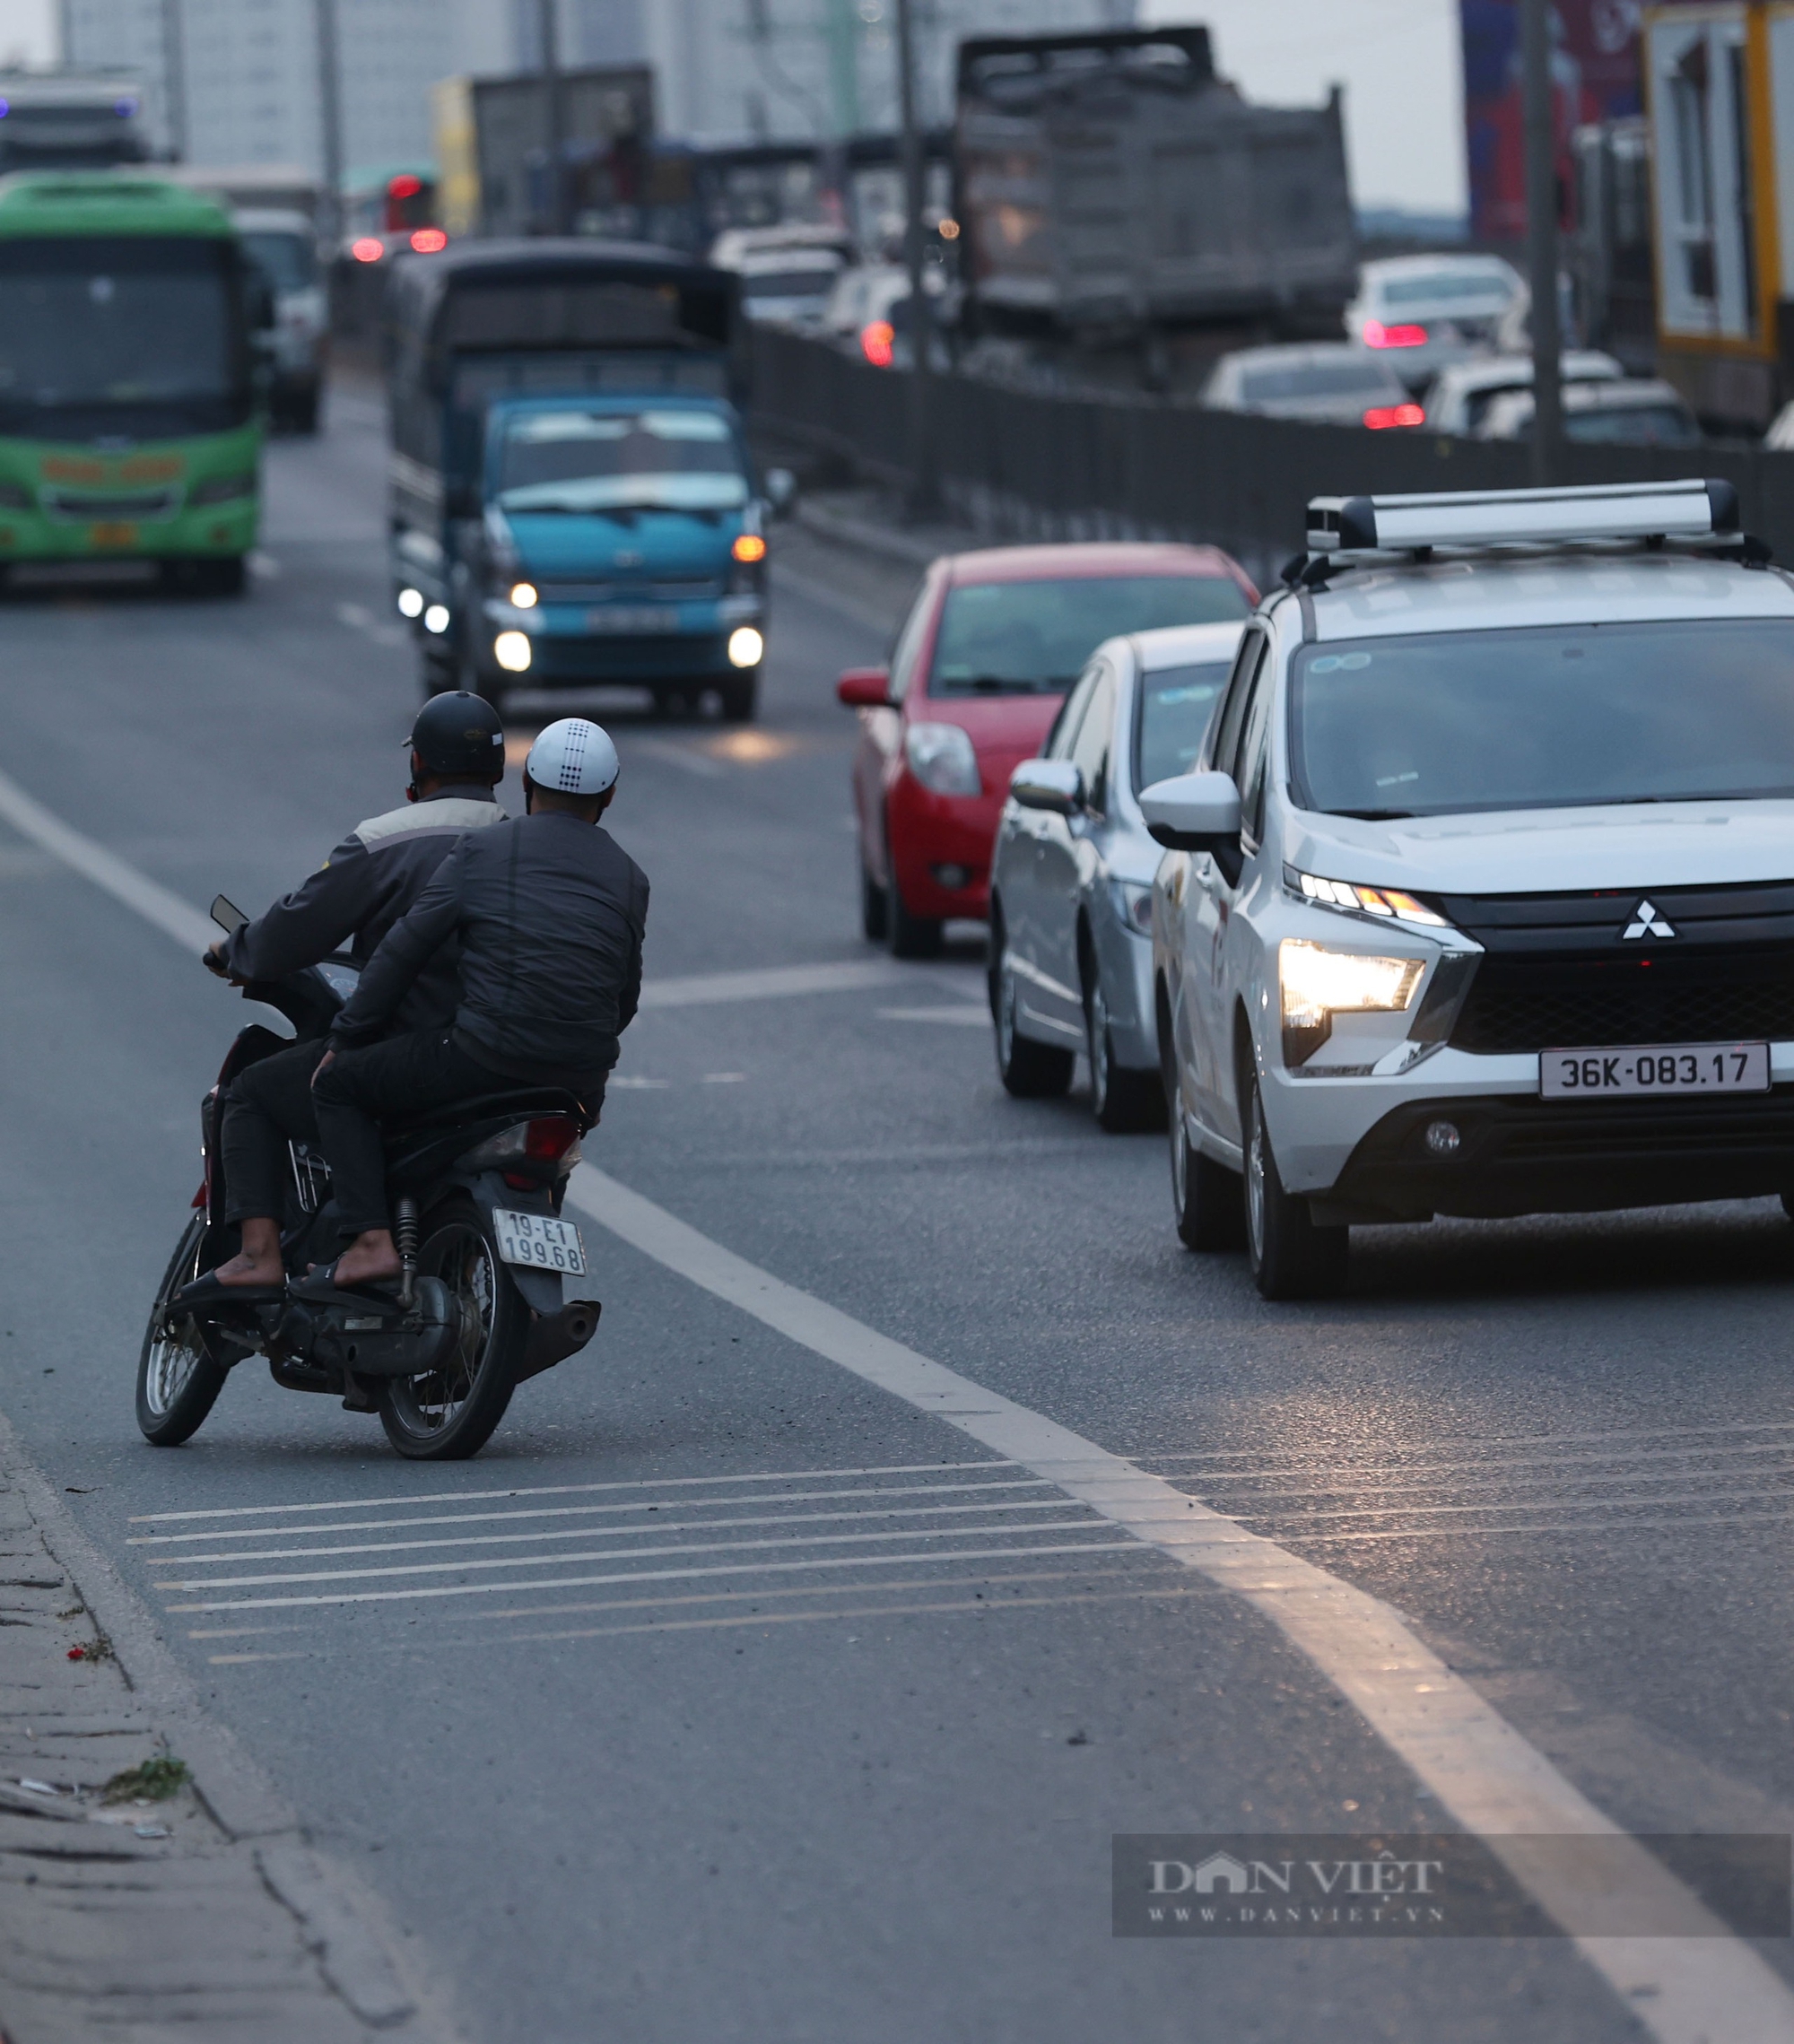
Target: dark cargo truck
[(1111, 183)]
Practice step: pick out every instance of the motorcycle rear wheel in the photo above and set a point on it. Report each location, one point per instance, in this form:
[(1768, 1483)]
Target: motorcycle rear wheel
[(177, 1377), (449, 1413)]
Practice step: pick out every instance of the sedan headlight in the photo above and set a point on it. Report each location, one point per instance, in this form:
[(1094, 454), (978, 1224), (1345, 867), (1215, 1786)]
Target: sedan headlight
[(941, 757), (1317, 984)]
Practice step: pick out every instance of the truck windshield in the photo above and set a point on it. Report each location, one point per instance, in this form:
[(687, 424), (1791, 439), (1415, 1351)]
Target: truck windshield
[(88, 323), (1559, 716), (1033, 638), (649, 460)]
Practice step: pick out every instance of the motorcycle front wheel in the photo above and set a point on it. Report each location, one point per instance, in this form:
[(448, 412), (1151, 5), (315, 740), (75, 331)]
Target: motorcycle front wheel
[(177, 1377), (449, 1413)]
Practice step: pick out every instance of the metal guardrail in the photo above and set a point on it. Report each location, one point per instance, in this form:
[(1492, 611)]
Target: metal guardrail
[(1021, 465)]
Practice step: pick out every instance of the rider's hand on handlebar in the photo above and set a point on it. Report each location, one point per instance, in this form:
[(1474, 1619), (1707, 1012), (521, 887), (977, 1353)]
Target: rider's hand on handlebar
[(213, 959)]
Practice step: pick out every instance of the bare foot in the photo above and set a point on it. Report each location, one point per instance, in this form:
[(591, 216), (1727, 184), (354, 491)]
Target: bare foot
[(369, 1259), (259, 1262)]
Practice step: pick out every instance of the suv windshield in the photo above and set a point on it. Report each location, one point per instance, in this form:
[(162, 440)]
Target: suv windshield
[(612, 461), (1565, 716), (1176, 704), (1033, 638)]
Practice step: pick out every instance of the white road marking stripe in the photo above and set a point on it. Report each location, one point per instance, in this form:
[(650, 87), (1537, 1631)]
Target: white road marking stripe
[(1710, 1989), (153, 901), (423, 1591), (1296, 1465), (539, 1537), (968, 1015), (1719, 1520), (571, 1512), (1715, 1495), (622, 1554), (773, 983), (1367, 1482), (731, 1597), (824, 598), (565, 1491)]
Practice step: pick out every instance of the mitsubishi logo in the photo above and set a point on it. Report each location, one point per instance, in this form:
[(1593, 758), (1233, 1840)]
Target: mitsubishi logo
[(1646, 922)]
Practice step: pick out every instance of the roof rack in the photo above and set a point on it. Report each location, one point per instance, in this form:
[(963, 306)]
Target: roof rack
[(1693, 508)]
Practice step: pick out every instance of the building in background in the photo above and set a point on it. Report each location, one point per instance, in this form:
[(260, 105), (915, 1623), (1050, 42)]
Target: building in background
[(1596, 76)]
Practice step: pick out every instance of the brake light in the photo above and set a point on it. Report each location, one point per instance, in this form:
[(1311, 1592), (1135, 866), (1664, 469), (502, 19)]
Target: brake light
[(1378, 335), (430, 240), (370, 248), (1381, 415), (879, 342), (550, 1138)]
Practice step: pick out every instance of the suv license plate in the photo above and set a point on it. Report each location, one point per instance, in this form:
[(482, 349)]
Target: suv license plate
[(1653, 1068), (539, 1240)]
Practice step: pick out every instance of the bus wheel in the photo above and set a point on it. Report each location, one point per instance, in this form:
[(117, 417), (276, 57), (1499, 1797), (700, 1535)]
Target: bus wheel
[(227, 577)]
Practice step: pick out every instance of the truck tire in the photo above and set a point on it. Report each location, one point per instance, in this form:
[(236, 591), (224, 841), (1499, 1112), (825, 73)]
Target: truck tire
[(740, 696)]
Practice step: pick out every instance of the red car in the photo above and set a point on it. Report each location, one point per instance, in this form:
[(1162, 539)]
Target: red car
[(979, 669)]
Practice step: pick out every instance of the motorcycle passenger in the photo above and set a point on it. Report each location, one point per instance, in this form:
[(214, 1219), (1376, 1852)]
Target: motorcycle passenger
[(371, 879), (549, 912)]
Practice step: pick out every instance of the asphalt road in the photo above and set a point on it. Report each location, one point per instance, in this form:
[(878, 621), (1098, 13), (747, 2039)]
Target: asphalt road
[(672, 1715)]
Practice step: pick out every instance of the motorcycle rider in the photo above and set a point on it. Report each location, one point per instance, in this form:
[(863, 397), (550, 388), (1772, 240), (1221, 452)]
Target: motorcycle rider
[(550, 912), (371, 880)]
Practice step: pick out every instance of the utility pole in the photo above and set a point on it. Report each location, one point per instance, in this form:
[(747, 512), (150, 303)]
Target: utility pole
[(329, 116), (924, 499), (548, 27), (174, 78), (1541, 235)]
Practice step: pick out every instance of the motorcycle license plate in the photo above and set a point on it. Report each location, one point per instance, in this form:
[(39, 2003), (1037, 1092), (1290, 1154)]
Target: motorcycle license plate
[(539, 1240), (1654, 1068)]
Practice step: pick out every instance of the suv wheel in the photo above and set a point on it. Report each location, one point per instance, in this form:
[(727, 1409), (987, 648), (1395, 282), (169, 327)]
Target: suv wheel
[(1029, 1071), (1206, 1199), (1125, 1101), (1291, 1256)]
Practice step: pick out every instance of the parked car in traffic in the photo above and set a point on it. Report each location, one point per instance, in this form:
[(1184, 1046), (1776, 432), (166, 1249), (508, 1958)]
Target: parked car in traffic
[(868, 313), (1460, 396), (283, 246), (1327, 381), (1632, 412), (1477, 902), (1071, 878), (1426, 312), (990, 646)]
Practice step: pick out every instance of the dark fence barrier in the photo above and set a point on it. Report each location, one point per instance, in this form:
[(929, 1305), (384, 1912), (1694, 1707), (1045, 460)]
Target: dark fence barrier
[(1019, 464)]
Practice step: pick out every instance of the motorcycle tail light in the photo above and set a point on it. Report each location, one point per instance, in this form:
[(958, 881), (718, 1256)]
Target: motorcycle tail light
[(550, 1138), (550, 1145)]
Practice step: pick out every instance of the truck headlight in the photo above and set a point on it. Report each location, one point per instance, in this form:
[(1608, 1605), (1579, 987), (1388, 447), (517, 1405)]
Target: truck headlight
[(1316, 984), (523, 595), (941, 757), (511, 650), (745, 646)]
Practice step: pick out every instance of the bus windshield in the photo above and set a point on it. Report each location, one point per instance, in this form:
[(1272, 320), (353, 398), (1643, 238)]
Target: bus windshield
[(88, 326)]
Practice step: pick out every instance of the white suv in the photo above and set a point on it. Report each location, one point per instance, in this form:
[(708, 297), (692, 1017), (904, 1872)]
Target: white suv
[(1481, 900)]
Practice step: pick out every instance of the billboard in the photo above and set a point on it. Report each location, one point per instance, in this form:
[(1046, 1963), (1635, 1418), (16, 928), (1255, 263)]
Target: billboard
[(1595, 74)]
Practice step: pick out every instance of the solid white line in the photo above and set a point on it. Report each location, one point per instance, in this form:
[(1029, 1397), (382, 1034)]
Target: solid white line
[(772, 983), (1716, 1494), (1710, 1989), (622, 1554), (1704, 1989), (418, 1592), (536, 1537), (570, 1511), (1296, 1466), (1367, 1479), (105, 869), (967, 1016), (566, 1490)]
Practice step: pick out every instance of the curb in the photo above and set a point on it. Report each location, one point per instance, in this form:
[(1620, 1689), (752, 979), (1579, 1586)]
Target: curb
[(343, 1922)]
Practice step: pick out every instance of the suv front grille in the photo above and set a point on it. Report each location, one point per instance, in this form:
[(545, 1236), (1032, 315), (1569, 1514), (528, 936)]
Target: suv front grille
[(1522, 1004)]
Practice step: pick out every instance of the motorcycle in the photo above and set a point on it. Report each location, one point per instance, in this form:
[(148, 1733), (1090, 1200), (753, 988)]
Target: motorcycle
[(477, 1193)]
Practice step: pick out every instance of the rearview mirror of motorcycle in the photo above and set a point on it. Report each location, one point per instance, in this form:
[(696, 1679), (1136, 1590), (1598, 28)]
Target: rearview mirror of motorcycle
[(226, 915), (1193, 812)]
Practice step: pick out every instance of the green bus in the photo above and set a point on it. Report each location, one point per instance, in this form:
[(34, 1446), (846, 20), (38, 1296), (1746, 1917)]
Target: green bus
[(130, 412)]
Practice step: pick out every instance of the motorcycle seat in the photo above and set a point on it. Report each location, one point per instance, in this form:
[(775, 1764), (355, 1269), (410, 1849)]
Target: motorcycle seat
[(525, 1104)]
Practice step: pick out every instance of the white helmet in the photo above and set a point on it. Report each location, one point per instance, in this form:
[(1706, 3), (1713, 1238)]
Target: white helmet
[(573, 756)]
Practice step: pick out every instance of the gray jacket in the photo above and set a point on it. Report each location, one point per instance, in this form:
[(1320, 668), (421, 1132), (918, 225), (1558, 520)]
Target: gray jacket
[(371, 879), (549, 912)]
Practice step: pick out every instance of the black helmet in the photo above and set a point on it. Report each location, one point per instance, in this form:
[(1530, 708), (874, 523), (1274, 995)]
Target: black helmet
[(459, 734)]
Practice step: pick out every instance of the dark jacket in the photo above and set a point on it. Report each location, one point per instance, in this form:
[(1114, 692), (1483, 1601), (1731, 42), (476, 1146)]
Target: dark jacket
[(372, 878), (549, 912)]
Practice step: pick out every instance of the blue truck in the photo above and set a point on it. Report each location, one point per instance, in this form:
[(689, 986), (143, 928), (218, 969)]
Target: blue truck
[(573, 502)]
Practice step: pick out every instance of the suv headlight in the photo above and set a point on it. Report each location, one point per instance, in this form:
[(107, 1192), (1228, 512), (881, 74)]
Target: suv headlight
[(941, 757), (1316, 984), (1390, 902)]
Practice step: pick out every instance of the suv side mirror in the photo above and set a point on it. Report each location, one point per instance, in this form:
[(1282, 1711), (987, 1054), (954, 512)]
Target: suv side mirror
[(1193, 812), (864, 688), (1047, 784)]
